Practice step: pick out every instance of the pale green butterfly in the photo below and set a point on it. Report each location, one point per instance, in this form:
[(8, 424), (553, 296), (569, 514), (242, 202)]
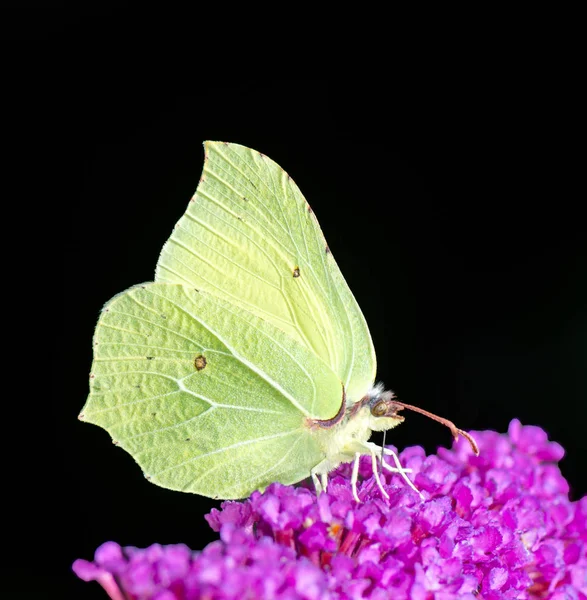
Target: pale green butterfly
[(248, 360)]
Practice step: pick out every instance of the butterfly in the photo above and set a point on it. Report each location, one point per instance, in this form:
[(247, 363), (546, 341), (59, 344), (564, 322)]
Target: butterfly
[(248, 360)]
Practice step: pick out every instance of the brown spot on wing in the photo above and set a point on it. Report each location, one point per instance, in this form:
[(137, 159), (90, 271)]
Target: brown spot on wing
[(200, 362)]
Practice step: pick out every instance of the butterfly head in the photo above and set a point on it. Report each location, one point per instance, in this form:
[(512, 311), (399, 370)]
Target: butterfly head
[(383, 410)]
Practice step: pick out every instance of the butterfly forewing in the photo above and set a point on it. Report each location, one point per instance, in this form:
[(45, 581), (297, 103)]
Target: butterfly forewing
[(249, 237)]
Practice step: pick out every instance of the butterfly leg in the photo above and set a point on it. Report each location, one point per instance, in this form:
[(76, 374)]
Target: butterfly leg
[(399, 469), (321, 484), (376, 475), (373, 450), (355, 476), (317, 484)]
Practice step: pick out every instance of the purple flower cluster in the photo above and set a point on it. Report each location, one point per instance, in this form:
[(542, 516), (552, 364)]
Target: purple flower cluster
[(498, 525)]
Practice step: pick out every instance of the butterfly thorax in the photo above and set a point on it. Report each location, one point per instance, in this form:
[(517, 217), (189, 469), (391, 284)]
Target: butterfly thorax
[(341, 441)]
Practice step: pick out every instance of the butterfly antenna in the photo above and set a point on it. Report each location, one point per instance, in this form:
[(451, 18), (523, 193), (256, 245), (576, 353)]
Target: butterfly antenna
[(453, 428)]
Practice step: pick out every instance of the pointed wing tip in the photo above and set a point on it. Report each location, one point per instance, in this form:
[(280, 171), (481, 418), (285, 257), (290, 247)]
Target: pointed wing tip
[(211, 145), (208, 143)]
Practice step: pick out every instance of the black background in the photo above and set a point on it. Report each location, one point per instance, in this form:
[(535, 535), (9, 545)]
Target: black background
[(453, 212)]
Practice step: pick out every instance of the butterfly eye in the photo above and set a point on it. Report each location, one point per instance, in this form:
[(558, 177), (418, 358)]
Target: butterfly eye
[(379, 409)]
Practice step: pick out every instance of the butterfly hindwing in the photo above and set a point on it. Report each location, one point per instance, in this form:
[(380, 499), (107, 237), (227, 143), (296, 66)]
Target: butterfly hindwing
[(207, 397)]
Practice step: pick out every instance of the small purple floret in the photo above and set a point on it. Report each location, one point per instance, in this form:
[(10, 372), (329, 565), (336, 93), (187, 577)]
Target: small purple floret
[(495, 526)]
